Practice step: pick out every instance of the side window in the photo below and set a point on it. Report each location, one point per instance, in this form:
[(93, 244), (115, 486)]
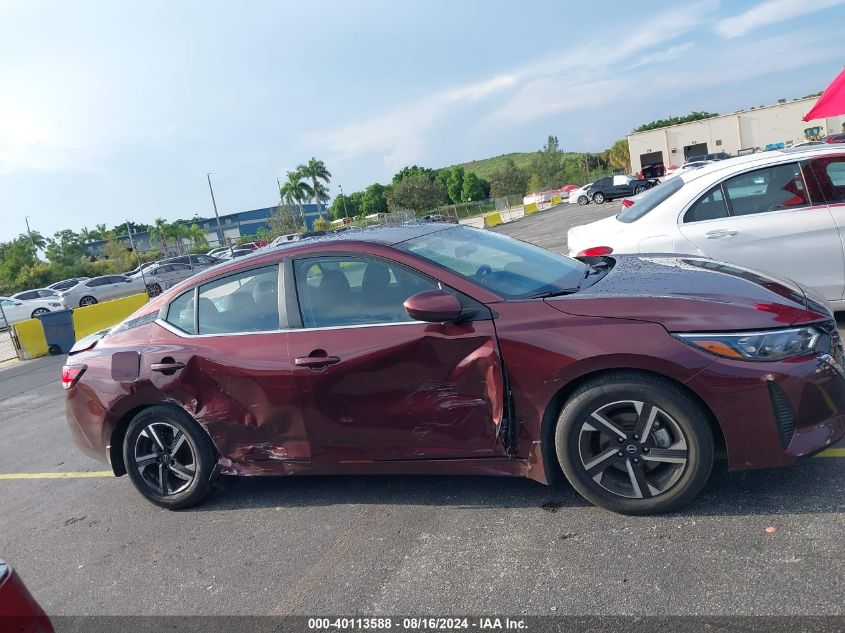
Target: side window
[(343, 291), (710, 206), (181, 312), (830, 174), (770, 189), (619, 181), (97, 282), (243, 302)]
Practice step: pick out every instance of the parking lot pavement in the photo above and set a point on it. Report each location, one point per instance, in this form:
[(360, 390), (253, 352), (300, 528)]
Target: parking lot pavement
[(762, 542)]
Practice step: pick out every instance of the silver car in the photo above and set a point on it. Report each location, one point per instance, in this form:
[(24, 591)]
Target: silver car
[(108, 287), (166, 276)]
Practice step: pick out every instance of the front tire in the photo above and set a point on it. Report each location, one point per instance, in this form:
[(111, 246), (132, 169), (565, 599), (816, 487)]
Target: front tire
[(582, 200), (153, 290), (39, 311), (598, 198), (638, 190), (87, 301), (169, 457), (634, 443)]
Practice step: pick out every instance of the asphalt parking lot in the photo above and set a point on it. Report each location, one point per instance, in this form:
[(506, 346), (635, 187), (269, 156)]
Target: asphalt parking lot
[(763, 542)]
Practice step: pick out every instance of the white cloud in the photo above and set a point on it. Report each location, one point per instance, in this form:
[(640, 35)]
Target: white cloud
[(660, 57), (536, 89), (770, 12)]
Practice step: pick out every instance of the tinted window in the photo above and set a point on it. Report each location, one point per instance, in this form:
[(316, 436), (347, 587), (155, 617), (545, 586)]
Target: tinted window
[(830, 174), (650, 199), (342, 291), (710, 206), (770, 189), (181, 312), (508, 267), (244, 302), (24, 296), (99, 281)]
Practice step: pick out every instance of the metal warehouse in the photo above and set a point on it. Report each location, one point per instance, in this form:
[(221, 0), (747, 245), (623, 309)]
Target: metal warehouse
[(741, 132)]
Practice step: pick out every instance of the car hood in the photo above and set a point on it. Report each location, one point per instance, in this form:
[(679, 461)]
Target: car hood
[(687, 294)]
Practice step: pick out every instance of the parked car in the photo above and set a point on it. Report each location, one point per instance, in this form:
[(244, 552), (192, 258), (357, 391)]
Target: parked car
[(195, 260), (16, 310), (141, 267), (19, 611), (612, 187), (285, 239), (235, 253), (434, 348), (217, 251), (166, 276), (835, 138), (109, 287), (579, 195), (38, 293), (66, 284), (780, 211)]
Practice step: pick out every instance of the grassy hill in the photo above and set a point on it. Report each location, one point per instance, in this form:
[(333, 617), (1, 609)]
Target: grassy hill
[(486, 166)]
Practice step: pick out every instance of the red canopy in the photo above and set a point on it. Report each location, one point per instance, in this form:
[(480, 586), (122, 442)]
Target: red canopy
[(832, 101)]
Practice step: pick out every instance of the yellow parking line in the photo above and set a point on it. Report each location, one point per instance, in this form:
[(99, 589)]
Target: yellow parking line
[(832, 452), (79, 475)]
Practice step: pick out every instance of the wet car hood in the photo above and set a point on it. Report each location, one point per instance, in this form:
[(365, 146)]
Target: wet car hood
[(687, 294)]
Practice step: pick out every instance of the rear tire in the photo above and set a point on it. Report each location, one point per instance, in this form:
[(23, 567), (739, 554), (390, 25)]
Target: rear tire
[(659, 472), (598, 198), (87, 300), (639, 190), (169, 457), (153, 290)]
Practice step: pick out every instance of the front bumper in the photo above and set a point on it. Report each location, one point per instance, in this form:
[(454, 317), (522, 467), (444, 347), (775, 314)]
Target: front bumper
[(771, 414)]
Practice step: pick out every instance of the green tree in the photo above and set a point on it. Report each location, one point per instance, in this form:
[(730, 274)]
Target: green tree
[(472, 188), (509, 180), (14, 257), (295, 191), (65, 247), (282, 221), (416, 192), (618, 156), (455, 184), (535, 183), (159, 231), (321, 224), (413, 170), (373, 200), (675, 120), (315, 171)]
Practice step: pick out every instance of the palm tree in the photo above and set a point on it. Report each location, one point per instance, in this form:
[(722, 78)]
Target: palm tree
[(295, 191), (177, 231), (315, 170), (86, 236), (159, 231), (196, 235), (38, 240)]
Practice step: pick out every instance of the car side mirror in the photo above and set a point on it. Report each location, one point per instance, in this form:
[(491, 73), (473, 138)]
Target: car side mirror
[(433, 306)]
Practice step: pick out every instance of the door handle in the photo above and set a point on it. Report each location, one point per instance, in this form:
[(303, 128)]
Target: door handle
[(166, 367), (316, 362), (715, 235)]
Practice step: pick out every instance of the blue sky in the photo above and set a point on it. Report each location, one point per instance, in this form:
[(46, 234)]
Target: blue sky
[(113, 109)]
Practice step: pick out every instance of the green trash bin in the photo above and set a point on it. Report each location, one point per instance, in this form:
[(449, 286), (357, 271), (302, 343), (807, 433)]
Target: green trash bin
[(58, 330)]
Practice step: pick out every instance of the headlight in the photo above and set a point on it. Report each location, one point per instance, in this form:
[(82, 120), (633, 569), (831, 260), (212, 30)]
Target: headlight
[(759, 346), (53, 304)]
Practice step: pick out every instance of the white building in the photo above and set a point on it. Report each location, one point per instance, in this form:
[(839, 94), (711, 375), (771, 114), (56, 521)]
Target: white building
[(737, 133)]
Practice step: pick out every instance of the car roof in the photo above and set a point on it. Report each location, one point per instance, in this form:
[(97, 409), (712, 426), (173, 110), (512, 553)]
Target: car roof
[(762, 159)]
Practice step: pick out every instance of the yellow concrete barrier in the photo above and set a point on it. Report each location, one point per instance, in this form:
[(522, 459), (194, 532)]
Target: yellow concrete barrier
[(492, 219), (104, 315), (31, 338), (556, 199), (531, 208)]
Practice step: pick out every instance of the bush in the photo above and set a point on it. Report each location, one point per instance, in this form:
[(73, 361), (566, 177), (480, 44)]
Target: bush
[(322, 224)]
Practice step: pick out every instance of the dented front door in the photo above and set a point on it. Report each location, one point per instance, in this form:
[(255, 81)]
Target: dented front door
[(400, 391)]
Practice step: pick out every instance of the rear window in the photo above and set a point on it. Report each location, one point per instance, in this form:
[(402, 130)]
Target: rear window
[(650, 199)]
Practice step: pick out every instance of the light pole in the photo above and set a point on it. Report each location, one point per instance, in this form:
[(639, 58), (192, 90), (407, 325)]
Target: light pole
[(217, 215), (345, 212), (29, 233)]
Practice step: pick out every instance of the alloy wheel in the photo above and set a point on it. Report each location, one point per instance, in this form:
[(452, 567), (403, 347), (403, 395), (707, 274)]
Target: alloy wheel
[(165, 458), (153, 290), (87, 301), (632, 449), (39, 311)]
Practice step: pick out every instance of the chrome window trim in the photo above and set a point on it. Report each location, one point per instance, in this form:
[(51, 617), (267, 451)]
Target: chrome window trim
[(182, 334)]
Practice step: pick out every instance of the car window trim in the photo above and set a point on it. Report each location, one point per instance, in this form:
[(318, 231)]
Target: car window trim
[(283, 325), (481, 311)]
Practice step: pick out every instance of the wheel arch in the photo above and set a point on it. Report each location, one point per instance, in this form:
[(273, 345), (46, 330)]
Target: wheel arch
[(118, 433), (558, 400)]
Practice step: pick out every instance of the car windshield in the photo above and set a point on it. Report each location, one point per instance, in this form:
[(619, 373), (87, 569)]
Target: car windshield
[(650, 199), (506, 266)]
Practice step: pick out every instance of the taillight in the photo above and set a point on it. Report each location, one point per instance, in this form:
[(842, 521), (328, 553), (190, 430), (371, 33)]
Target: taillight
[(71, 375), (627, 203), (595, 251)]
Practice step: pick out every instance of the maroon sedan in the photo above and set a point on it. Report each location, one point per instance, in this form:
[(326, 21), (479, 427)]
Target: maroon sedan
[(435, 349)]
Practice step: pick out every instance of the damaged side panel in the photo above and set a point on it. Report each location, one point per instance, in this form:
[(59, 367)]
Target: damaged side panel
[(241, 390), (407, 391)]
